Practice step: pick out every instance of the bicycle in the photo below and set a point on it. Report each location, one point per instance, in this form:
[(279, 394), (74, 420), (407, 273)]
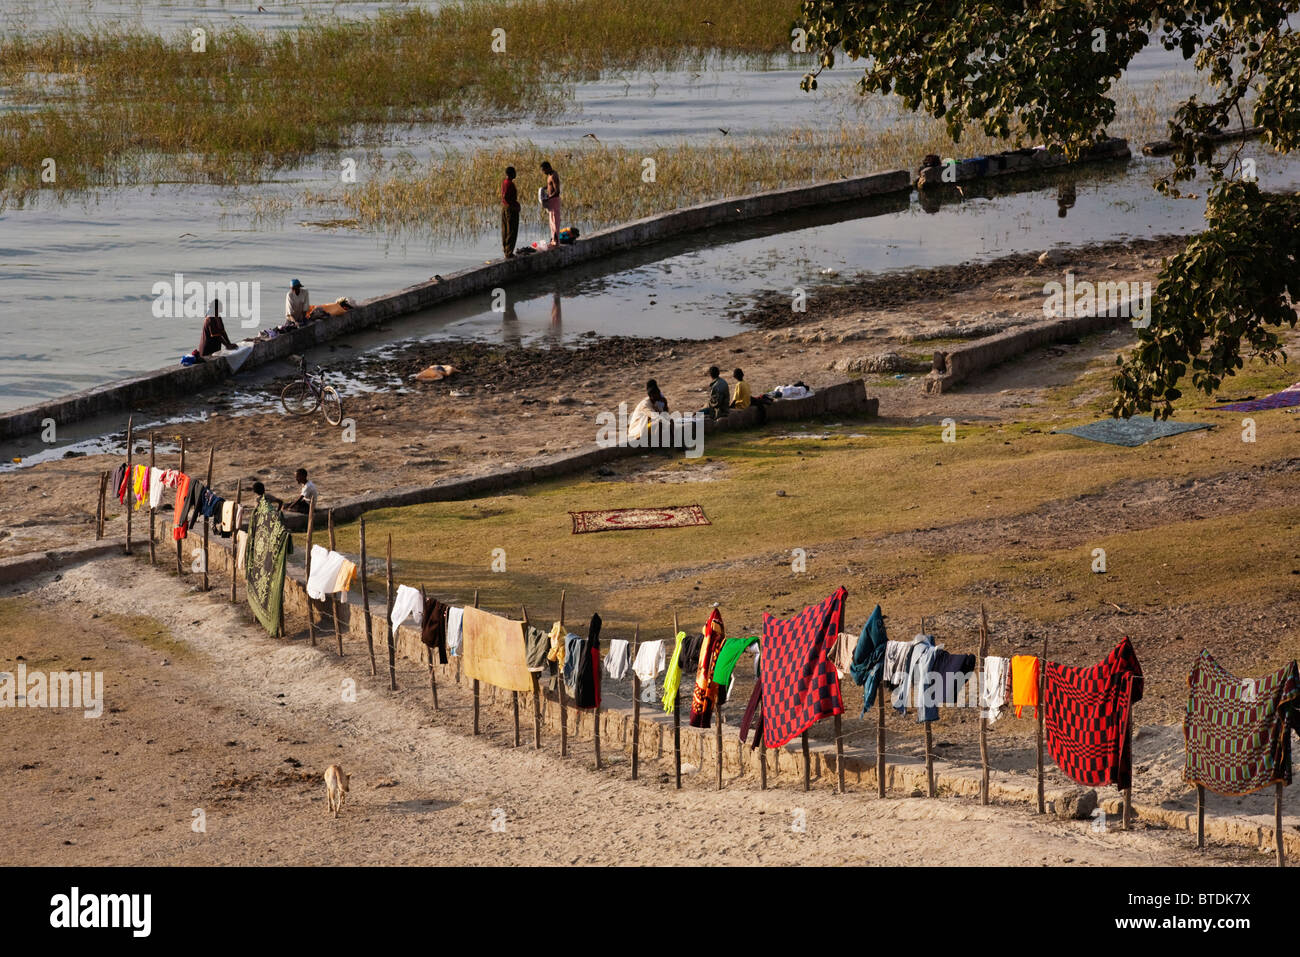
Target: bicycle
[(305, 394)]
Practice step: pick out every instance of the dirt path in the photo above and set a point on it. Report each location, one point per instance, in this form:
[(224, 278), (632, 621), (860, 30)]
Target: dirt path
[(241, 726)]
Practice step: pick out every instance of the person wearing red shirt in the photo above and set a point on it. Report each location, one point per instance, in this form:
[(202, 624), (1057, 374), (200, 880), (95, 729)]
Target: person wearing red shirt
[(509, 213)]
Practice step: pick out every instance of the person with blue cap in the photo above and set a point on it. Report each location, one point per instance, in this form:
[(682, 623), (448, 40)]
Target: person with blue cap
[(297, 303)]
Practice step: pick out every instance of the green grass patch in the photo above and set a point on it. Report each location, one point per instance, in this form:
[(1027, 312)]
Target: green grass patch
[(895, 478), (151, 633)]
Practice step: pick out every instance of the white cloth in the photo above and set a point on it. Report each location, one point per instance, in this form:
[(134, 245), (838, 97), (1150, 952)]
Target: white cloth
[(618, 658), (155, 487), (994, 693), (405, 603), (308, 492), (325, 567), (651, 660), (241, 550), (455, 621), (234, 357), (792, 392), (643, 418)]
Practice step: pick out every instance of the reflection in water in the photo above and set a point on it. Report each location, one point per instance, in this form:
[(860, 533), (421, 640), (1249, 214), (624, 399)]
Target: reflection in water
[(555, 329), (1065, 198), (510, 331)]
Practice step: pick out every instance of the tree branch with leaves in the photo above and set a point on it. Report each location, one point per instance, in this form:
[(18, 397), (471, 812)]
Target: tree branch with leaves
[(1043, 72)]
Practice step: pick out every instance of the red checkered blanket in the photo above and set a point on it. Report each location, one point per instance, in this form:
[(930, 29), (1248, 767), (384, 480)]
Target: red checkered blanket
[(1087, 717), (799, 683)]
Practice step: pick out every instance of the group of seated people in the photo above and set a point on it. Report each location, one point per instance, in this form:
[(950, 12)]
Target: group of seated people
[(721, 401), (298, 312)]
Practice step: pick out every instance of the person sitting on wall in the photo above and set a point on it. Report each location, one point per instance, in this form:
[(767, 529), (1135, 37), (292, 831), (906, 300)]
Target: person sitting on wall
[(741, 398), (306, 497), (213, 338), (719, 395), (297, 304)]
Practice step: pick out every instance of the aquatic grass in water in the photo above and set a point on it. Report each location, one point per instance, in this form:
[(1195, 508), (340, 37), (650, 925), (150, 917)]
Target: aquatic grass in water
[(111, 107), (454, 196)]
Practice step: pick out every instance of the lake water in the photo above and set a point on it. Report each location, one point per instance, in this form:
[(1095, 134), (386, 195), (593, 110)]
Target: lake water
[(77, 277)]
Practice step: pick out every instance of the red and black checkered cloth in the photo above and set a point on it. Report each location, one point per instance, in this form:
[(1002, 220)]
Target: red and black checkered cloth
[(800, 685), (1087, 717)]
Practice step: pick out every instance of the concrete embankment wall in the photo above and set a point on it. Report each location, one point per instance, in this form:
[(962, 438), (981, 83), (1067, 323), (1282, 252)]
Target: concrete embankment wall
[(186, 380), (956, 365), (842, 398)]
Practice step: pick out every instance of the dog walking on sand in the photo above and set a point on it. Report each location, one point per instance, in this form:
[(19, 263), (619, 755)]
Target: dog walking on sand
[(336, 785)]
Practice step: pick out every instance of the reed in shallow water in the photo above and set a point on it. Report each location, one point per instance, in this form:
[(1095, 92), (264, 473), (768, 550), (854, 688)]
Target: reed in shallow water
[(454, 194), (110, 107)]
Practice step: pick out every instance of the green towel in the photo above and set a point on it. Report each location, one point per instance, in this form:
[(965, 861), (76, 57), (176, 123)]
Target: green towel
[(731, 651)]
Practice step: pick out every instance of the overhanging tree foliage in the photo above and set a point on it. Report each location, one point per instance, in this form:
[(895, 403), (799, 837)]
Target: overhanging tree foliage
[(1042, 72)]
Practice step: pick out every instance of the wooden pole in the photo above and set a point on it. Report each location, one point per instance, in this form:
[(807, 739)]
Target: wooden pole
[(153, 444), (206, 522), (1200, 815), (636, 705), (717, 741), (180, 567), (1128, 791), (392, 663), (677, 718), (537, 695), (334, 607), (807, 762), (365, 599), (99, 512), (839, 753), (762, 765), (984, 721), (1041, 709), (311, 523), (564, 698), (880, 738), (476, 700), (130, 491), (595, 715), (234, 538), (1277, 825), (929, 759)]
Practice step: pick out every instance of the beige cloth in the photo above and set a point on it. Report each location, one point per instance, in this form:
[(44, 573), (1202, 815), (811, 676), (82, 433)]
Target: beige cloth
[(843, 652), (492, 650)]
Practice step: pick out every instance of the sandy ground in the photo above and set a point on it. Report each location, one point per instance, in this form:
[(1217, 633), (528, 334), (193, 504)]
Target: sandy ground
[(513, 403), (209, 713)]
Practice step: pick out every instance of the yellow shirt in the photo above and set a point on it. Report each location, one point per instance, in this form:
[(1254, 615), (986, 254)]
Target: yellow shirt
[(740, 399)]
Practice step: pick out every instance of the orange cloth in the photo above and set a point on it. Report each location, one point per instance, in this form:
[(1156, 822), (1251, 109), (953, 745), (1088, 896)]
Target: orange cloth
[(182, 493), (1024, 683)]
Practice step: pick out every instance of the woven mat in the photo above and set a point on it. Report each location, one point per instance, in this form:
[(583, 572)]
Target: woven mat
[(617, 519)]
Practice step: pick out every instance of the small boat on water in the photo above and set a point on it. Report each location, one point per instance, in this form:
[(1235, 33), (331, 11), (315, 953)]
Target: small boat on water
[(935, 172)]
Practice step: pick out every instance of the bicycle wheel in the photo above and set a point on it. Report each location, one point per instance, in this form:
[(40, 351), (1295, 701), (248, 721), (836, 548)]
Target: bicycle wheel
[(299, 398), (332, 405)]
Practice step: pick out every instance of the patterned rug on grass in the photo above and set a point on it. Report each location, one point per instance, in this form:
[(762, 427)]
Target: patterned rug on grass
[(1133, 432), (615, 519), (1278, 400)]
